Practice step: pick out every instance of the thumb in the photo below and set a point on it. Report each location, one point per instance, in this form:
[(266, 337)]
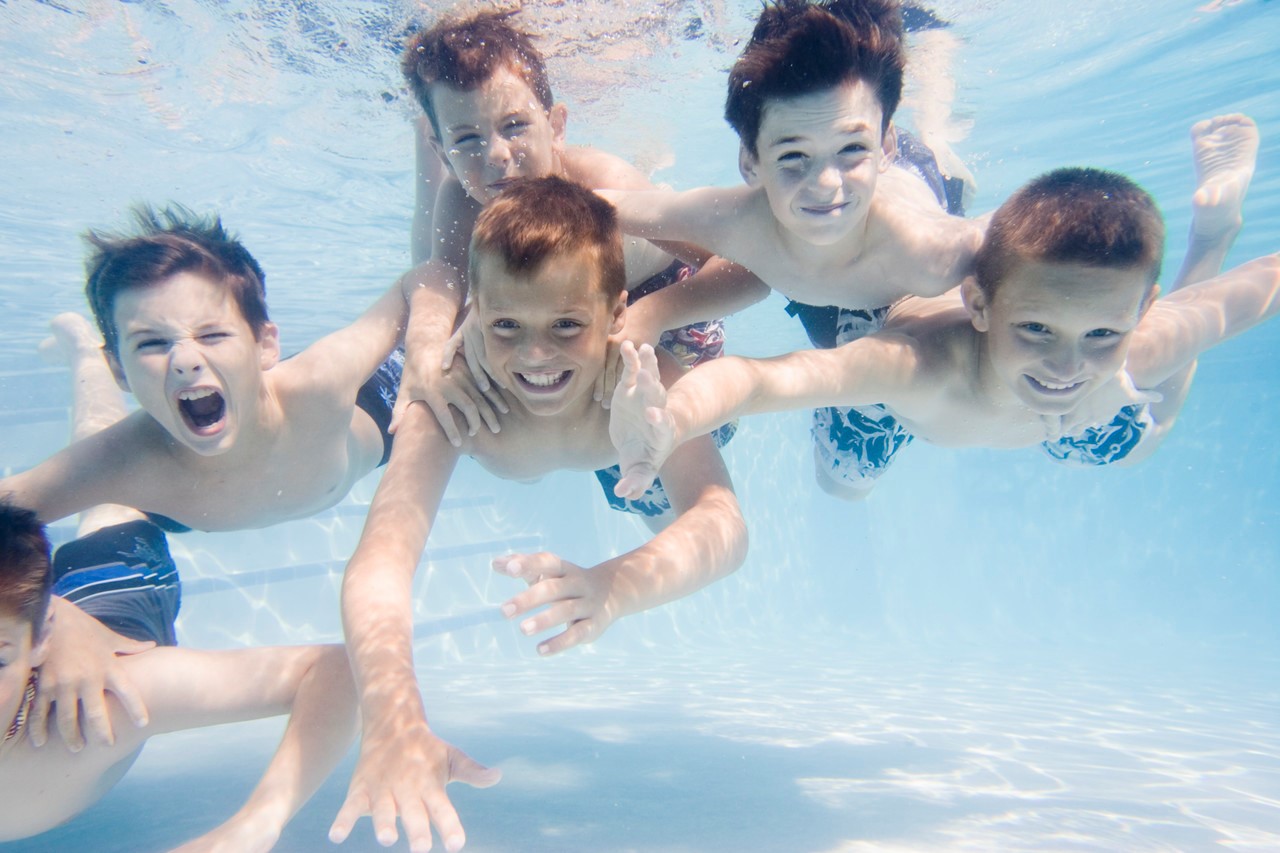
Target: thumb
[(463, 768)]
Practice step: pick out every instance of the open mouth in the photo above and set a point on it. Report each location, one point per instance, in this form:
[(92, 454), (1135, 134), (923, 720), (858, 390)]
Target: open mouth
[(1053, 389), (203, 409), (544, 383)]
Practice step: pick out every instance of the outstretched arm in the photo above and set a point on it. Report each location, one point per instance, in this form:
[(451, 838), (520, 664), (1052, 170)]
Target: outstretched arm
[(706, 541), (314, 682), (646, 425), (1189, 321), (403, 767)]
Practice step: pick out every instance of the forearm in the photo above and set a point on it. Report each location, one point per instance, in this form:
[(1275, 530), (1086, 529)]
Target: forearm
[(435, 293), (1204, 259), (717, 290), (321, 727), (705, 543)]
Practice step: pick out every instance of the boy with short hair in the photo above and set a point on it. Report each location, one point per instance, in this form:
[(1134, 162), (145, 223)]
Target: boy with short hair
[(182, 688), (229, 435), (547, 270), (1058, 332), (484, 88)]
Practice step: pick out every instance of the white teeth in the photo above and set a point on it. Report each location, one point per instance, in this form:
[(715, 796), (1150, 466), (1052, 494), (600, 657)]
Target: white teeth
[(1055, 386), (195, 393), (543, 380)]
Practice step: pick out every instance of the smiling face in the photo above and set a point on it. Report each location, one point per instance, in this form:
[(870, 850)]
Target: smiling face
[(546, 335), (1056, 332), (191, 359), (819, 156), (496, 133)]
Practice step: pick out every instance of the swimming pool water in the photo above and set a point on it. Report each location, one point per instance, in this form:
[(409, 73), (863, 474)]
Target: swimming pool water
[(993, 652)]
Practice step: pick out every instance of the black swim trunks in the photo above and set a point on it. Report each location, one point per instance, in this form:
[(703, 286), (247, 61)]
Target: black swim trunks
[(124, 577), (377, 397)]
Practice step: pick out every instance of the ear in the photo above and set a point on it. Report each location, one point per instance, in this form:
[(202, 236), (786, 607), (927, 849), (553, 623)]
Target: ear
[(269, 346), (1150, 300), (117, 370), (619, 314), (40, 648), (976, 303), (559, 116), (748, 166), (889, 146), (438, 147)]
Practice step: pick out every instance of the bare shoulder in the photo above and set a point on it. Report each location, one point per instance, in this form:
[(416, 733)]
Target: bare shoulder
[(601, 170)]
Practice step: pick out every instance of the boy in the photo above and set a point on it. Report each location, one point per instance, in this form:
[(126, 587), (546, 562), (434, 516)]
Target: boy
[(547, 268), (826, 218), (229, 435), (1055, 334), (183, 689), (484, 89)]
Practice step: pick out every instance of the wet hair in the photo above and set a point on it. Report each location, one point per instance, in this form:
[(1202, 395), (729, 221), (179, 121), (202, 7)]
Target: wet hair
[(465, 53), (801, 47), (24, 566), (539, 218), (167, 242), (1073, 216)]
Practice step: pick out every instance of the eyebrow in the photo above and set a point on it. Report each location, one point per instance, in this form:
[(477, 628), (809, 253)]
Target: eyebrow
[(850, 130)]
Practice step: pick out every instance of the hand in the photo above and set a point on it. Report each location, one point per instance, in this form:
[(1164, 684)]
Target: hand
[(403, 773), (579, 598), (469, 340), (607, 381), (80, 670), (640, 427), (240, 834), (446, 390), (1101, 407)]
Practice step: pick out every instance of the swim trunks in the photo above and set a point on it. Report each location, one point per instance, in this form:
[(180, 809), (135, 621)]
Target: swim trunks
[(854, 445), (377, 397), (1105, 444), (124, 577), (691, 346)]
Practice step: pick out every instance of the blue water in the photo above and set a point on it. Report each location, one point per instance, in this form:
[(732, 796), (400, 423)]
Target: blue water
[(993, 652)]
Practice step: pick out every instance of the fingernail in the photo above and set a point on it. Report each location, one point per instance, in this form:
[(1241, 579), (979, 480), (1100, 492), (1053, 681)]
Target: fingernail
[(508, 610), (544, 649), (456, 442), (527, 627), (454, 843)]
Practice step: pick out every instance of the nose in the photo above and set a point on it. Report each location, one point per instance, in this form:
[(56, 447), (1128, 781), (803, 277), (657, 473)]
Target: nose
[(499, 151), (1066, 362), (185, 358), (533, 349), (829, 177)]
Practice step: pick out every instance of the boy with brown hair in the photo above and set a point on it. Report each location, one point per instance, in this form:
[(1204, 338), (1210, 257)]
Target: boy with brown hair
[(182, 688), (1057, 339), (548, 274), (484, 88)]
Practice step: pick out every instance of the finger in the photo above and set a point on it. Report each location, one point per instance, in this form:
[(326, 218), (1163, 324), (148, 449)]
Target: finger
[(130, 699), (528, 567), (444, 415), (397, 413), (384, 821), (38, 718), (353, 807), (563, 612), (463, 768), (540, 592), (497, 401), (417, 825), (446, 821), (68, 720), (635, 482), (451, 349), (475, 365), (575, 635), (630, 365), (95, 720), (487, 415)]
